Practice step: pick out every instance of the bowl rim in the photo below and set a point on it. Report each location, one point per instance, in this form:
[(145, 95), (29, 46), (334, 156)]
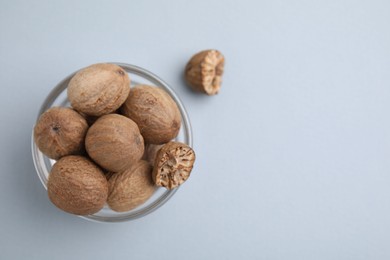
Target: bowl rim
[(38, 157)]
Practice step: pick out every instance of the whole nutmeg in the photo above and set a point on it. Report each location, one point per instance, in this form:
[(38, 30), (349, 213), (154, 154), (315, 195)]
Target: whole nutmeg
[(114, 142), (76, 185), (131, 187), (173, 165), (60, 131), (99, 89), (155, 113), (204, 71)]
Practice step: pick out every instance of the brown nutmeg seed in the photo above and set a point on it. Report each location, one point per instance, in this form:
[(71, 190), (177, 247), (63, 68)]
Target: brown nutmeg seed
[(130, 188), (60, 131), (173, 165), (76, 185), (99, 89), (155, 113), (114, 142), (204, 71)]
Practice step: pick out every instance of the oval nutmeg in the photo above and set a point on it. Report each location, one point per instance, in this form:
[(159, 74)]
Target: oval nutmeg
[(114, 142), (130, 188), (98, 89), (77, 186), (60, 131), (173, 165), (155, 112)]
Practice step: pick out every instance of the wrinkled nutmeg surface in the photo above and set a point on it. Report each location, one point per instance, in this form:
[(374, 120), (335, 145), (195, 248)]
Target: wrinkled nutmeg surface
[(76, 185), (155, 113), (173, 165), (60, 131), (130, 188), (204, 71), (114, 142), (99, 89)]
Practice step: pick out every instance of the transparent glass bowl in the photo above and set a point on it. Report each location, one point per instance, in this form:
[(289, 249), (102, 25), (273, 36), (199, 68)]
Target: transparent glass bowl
[(58, 97)]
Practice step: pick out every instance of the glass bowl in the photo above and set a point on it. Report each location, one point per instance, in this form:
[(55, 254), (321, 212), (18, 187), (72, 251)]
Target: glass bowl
[(58, 97)]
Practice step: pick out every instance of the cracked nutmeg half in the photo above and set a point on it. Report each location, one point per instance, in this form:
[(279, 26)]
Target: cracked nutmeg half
[(204, 71), (173, 165)]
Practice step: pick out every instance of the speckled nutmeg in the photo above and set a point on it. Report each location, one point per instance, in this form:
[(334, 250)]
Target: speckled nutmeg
[(131, 187), (76, 185), (99, 89), (60, 131), (114, 142), (155, 113)]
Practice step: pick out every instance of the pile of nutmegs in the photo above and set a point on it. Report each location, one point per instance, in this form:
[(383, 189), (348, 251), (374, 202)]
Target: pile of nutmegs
[(114, 145)]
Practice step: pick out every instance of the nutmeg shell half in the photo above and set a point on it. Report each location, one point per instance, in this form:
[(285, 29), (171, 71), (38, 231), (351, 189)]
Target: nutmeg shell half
[(173, 165), (204, 71)]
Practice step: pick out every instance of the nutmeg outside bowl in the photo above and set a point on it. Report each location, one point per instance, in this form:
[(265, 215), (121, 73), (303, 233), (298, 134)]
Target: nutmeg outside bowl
[(58, 97)]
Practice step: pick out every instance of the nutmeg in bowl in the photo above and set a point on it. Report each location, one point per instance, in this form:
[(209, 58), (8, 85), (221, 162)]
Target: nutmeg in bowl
[(139, 76)]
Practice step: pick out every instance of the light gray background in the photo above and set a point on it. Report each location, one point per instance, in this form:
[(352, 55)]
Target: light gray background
[(293, 154)]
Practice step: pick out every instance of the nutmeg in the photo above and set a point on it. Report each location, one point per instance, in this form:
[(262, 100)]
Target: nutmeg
[(60, 131), (114, 142), (76, 185), (131, 187), (99, 89), (155, 113), (204, 71), (173, 165)]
